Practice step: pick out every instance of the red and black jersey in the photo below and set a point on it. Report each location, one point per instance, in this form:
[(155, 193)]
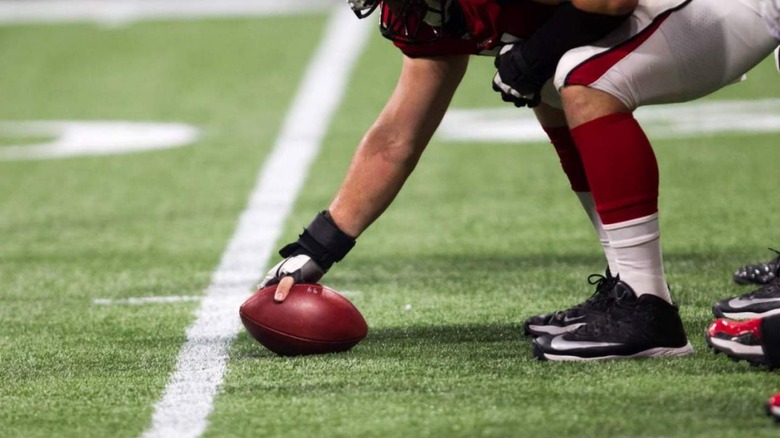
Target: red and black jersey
[(475, 27)]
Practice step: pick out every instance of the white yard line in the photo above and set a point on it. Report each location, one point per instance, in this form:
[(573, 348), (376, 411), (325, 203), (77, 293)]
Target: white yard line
[(145, 300), (188, 398), (115, 12)]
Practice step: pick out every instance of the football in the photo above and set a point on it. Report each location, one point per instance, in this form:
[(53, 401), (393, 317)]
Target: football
[(312, 320)]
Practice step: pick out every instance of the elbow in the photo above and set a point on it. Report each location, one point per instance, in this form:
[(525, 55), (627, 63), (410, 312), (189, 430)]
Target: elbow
[(391, 147)]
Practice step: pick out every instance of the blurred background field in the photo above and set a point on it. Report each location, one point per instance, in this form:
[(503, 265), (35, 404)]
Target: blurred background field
[(485, 234)]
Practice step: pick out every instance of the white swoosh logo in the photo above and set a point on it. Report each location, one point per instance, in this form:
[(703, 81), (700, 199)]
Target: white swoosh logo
[(568, 320), (558, 343), (739, 303)]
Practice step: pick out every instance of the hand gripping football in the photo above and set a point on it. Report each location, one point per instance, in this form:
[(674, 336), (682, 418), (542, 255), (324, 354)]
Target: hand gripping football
[(312, 320)]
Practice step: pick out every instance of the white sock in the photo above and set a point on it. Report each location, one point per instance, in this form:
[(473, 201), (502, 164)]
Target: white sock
[(586, 199), (637, 246)]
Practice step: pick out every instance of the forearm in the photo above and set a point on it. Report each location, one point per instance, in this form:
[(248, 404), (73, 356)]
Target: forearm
[(392, 147), (379, 169)]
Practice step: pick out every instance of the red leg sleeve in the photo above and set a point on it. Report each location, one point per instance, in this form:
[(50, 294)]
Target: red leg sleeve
[(621, 167)]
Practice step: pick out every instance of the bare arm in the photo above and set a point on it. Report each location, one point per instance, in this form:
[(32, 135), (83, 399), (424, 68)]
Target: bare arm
[(384, 159), (392, 146)]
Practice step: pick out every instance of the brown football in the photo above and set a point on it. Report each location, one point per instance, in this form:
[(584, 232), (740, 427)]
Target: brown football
[(312, 320)]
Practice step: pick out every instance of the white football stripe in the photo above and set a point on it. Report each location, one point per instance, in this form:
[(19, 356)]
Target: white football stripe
[(145, 300), (115, 12), (187, 401), (512, 125), (350, 293)]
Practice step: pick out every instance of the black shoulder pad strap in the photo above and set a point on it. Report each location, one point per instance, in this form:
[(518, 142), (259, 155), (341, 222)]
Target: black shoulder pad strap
[(568, 28)]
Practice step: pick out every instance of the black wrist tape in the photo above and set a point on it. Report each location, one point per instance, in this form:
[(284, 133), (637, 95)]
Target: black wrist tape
[(322, 240), (568, 28), (770, 339)]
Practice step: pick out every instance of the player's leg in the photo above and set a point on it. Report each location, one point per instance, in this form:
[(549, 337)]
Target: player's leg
[(623, 174), (553, 121), (668, 51)]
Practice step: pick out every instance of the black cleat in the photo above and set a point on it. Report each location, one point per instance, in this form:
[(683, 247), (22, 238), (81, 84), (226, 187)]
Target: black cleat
[(760, 273), (631, 327), (574, 317), (759, 303)]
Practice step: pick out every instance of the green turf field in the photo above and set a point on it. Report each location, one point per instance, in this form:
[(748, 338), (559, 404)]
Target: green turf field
[(483, 236)]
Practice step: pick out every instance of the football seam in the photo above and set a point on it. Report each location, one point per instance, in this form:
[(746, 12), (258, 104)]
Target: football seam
[(358, 339)]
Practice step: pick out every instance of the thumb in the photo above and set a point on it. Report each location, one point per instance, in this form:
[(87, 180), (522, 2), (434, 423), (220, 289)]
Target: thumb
[(283, 289)]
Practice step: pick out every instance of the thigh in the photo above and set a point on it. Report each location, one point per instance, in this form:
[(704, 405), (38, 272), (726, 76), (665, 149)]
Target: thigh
[(671, 52)]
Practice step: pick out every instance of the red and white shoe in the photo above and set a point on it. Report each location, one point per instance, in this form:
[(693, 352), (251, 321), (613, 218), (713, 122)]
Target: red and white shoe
[(773, 407), (739, 340)]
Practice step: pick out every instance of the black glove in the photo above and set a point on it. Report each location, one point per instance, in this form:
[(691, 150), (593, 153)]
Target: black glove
[(524, 67), (515, 79), (320, 245)]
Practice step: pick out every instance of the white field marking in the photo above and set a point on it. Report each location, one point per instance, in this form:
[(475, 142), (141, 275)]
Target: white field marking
[(510, 125), (79, 138), (145, 300), (350, 293), (187, 401), (121, 12)]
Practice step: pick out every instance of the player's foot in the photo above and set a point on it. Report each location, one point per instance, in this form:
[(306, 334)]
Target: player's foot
[(644, 326), (739, 340), (760, 273), (759, 303), (574, 317), (773, 407)]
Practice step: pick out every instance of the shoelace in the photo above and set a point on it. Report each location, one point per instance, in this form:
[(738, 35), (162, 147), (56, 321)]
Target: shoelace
[(603, 284)]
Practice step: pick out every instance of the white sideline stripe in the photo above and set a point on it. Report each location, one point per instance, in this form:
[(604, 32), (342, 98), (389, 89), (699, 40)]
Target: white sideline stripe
[(351, 293), (187, 401), (144, 300), (127, 11)]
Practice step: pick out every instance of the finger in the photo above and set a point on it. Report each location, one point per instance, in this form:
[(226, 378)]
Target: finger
[(283, 289)]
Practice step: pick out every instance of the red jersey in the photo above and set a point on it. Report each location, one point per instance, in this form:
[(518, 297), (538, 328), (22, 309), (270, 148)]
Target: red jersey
[(488, 25)]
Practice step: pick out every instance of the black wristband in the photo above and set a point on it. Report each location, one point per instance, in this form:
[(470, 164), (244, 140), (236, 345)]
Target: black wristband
[(322, 240), (568, 28), (770, 339)]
